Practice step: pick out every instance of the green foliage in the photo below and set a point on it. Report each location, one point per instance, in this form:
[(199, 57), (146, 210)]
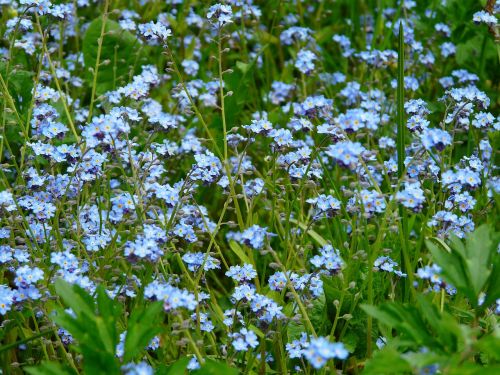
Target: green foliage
[(50, 368), (93, 326), (471, 267), (425, 336), (143, 326), (20, 84), (210, 367), (93, 323), (119, 54)]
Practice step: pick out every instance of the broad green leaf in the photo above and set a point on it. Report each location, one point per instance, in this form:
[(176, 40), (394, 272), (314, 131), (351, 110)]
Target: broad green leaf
[(405, 318), (332, 287), (479, 247), (294, 330), (75, 297), (493, 289), (177, 368), (97, 361), (468, 368), (119, 47), (215, 368), (143, 325), (445, 328), (94, 329), (490, 345), (468, 267), (49, 368), (19, 84), (381, 315), (387, 361), (454, 269)]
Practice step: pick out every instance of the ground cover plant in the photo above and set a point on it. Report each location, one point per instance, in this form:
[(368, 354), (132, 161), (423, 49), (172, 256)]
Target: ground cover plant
[(254, 187)]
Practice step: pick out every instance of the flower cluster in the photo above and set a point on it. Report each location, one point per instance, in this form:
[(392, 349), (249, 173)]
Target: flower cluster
[(249, 170)]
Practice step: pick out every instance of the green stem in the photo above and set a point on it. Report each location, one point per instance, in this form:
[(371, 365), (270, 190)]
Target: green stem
[(98, 58)]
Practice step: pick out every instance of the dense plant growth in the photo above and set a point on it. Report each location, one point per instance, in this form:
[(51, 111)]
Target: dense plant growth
[(249, 187)]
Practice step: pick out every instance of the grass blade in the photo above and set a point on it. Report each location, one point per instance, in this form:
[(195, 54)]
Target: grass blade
[(404, 235)]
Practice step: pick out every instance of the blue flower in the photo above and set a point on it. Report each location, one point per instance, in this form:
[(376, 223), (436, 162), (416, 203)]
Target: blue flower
[(435, 138), (320, 350), (305, 61), (243, 273), (325, 204), (295, 34), (244, 339), (193, 364), (346, 153), (254, 236), (6, 299), (141, 368), (485, 17), (384, 263), (196, 260), (220, 15), (328, 260), (412, 196)]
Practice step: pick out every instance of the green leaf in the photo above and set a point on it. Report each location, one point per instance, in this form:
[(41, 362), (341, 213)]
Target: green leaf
[(239, 83), (239, 252), (215, 368), (20, 85), (469, 267), (473, 369), (454, 269), (315, 236), (387, 361), (93, 327), (143, 325), (478, 249), (319, 317), (109, 311), (294, 330), (177, 368), (75, 297), (490, 345), (406, 319), (444, 326), (49, 368), (242, 66), (332, 287), (381, 315), (493, 289), (119, 47)]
